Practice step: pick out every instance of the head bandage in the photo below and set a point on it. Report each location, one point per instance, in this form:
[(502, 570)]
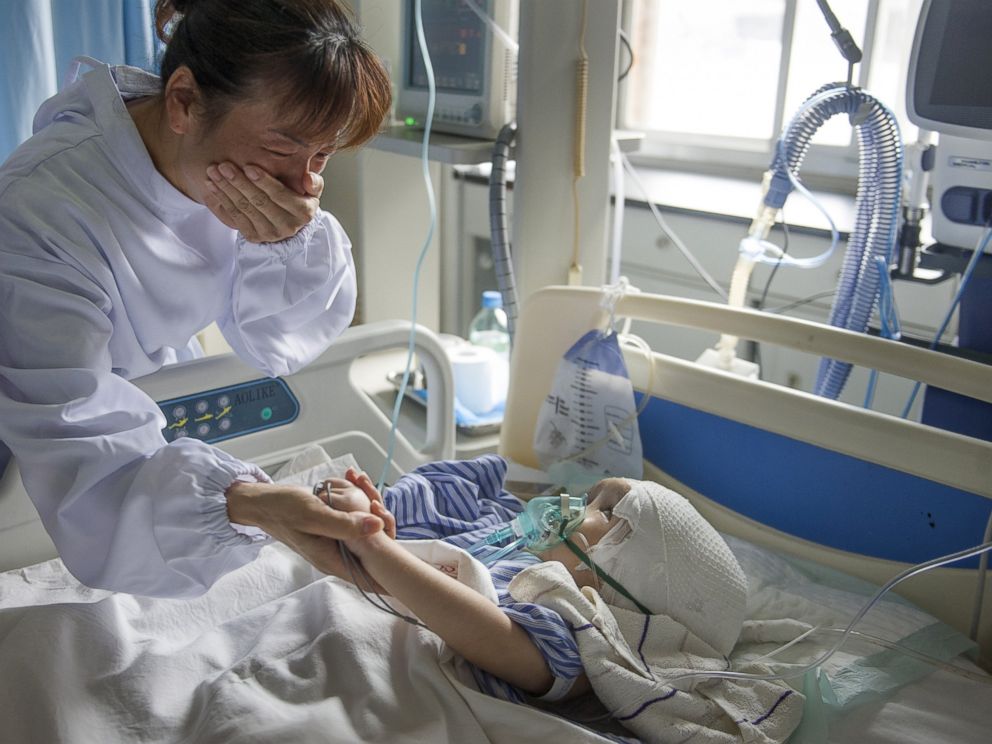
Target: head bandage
[(674, 563), (604, 552)]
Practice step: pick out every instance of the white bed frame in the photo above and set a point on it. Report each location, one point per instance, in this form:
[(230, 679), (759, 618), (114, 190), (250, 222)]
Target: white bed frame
[(555, 317), (334, 412)]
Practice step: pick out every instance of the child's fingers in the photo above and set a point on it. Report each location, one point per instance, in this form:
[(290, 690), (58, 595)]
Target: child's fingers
[(388, 520), (356, 477), (368, 487)]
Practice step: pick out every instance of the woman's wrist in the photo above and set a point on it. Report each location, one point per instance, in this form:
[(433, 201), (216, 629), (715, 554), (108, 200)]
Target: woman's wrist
[(243, 504)]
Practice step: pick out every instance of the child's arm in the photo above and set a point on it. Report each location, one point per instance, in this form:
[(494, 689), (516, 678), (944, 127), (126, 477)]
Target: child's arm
[(468, 622), (580, 685)]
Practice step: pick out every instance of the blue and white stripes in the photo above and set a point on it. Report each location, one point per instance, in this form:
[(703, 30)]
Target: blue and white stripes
[(452, 500), (460, 502)]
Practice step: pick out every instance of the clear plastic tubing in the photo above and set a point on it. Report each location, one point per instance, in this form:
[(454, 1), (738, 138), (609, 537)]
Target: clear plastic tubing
[(799, 671), (877, 204)]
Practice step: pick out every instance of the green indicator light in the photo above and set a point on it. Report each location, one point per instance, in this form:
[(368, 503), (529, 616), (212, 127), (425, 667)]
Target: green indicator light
[(410, 121), (266, 413)]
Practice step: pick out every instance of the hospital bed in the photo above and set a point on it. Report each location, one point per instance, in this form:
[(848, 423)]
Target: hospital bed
[(788, 477), (322, 404), (845, 486)]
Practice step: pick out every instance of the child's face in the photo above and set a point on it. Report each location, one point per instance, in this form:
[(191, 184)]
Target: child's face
[(598, 520)]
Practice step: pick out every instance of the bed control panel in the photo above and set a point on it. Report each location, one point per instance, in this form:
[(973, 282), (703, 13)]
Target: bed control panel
[(232, 411)]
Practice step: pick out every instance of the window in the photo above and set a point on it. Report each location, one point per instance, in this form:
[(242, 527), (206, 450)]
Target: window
[(714, 82)]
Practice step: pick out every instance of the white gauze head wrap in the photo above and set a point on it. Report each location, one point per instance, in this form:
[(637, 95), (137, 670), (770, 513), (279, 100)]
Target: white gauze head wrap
[(674, 563)]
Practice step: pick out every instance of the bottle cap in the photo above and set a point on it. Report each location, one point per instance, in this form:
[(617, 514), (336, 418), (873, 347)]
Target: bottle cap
[(492, 298)]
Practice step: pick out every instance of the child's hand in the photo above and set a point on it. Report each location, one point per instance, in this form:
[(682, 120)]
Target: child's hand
[(341, 495), (362, 481), (344, 495)]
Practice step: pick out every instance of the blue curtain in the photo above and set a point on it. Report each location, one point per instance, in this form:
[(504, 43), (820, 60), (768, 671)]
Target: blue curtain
[(39, 38)]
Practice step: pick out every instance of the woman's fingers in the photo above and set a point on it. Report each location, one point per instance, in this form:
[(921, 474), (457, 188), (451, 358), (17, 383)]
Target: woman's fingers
[(286, 198), (337, 523), (256, 204), (335, 492), (339, 494), (287, 510), (316, 185), (221, 205), (261, 220), (301, 520)]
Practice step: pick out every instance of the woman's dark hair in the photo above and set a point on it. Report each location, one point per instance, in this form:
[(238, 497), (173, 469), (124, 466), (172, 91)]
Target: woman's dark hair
[(304, 55)]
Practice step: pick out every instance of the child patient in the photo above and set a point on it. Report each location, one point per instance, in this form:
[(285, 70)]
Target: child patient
[(646, 590)]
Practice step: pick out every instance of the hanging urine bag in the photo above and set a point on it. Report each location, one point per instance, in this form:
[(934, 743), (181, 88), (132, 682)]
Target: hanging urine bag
[(589, 418)]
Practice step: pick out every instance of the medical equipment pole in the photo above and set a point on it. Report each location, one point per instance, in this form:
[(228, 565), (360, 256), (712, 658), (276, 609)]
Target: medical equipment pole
[(919, 162), (543, 211)]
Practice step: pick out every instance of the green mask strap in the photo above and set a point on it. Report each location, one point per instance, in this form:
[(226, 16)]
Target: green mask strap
[(616, 585)]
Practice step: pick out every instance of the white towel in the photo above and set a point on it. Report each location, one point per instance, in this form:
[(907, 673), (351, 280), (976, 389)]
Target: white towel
[(675, 564), (628, 656), (311, 465)]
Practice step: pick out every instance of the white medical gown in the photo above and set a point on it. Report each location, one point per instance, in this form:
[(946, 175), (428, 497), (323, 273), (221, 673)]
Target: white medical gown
[(106, 274)]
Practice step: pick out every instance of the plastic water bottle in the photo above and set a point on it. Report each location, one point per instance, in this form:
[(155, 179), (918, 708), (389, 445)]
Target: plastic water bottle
[(488, 327)]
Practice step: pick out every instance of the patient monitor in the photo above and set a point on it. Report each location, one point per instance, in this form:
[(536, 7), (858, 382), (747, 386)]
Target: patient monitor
[(948, 92), (474, 72)]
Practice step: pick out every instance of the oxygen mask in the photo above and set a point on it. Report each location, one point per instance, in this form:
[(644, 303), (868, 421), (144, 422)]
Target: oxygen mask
[(545, 522)]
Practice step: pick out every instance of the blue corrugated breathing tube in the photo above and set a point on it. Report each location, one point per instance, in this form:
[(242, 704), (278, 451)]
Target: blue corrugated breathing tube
[(871, 244)]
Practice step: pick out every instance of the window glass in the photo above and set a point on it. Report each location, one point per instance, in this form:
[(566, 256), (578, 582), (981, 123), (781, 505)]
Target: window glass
[(705, 68), (707, 75), (816, 61)]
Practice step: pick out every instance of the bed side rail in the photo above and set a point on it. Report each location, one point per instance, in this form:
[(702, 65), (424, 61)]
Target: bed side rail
[(331, 403), (555, 317)]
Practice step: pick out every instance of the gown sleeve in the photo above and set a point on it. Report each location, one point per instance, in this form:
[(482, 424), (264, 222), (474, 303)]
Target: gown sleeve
[(126, 511), (291, 299)]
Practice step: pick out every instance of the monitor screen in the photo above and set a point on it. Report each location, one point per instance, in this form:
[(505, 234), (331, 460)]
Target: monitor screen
[(950, 82), (456, 39)]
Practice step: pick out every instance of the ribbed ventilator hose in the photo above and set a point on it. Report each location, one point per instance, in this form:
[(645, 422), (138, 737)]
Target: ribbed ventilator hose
[(876, 205), (502, 261)]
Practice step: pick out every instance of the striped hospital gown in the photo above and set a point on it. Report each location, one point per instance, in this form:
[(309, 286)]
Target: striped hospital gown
[(460, 502)]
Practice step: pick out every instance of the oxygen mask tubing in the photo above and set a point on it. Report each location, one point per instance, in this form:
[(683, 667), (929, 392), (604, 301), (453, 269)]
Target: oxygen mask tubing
[(544, 522)]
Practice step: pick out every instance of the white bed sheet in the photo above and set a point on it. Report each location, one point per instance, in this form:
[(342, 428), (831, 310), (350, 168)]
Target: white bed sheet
[(278, 652), (274, 652), (936, 706), (943, 708)]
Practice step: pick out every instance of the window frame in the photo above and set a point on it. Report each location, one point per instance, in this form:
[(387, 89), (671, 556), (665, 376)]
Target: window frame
[(829, 167)]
